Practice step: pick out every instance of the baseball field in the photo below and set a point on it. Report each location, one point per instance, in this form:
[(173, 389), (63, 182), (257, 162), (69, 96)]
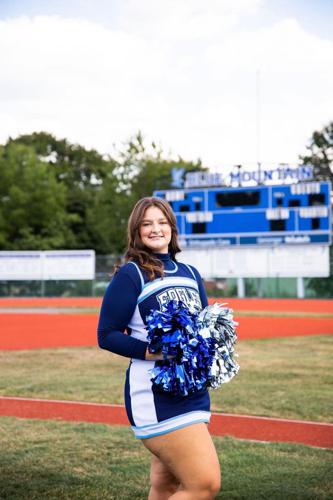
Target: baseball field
[(62, 415)]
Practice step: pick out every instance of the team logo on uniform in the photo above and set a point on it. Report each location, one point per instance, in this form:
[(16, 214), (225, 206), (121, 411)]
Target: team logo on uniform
[(189, 297)]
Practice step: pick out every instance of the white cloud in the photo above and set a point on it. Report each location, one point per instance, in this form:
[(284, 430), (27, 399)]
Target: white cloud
[(185, 74), (184, 19)]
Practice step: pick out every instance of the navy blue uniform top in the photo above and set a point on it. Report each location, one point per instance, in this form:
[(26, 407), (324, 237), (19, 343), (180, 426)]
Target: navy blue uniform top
[(124, 299)]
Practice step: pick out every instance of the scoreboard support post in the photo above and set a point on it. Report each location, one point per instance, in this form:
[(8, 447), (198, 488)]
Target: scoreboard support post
[(300, 288), (240, 288), (259, 287)]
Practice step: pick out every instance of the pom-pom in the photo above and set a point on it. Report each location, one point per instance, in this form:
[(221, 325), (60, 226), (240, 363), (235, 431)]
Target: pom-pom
[(197, 348), (186, 354), (216, 322)]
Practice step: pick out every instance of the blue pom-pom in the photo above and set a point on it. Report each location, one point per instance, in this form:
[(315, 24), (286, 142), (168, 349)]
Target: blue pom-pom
[(197, 349)]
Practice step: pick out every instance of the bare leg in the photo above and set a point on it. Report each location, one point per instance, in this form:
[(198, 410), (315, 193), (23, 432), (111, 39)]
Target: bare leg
[(163, 482), (189, 454)]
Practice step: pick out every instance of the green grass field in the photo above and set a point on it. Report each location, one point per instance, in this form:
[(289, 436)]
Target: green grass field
[(288, 377), (67, 461)]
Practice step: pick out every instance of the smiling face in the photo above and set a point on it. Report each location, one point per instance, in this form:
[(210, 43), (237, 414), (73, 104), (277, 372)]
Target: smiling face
[(155, 230)]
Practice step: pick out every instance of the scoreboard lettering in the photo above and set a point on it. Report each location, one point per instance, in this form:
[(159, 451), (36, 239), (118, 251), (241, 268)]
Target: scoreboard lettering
[(260, 215)]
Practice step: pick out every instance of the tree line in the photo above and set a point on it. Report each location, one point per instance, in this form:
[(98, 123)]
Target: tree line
[(56, 195)]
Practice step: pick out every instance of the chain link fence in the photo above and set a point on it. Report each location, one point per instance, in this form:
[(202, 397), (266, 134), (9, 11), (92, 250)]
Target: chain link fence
[(105, 265)]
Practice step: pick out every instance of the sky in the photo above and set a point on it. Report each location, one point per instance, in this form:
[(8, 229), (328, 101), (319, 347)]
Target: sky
[(227, 81)]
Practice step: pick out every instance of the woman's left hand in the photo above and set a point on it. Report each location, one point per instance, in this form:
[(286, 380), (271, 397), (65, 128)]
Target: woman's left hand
[(156, 356)]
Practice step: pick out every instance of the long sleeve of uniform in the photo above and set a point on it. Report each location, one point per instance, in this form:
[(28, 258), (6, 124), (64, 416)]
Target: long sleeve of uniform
[(202, 291), (117, 309)]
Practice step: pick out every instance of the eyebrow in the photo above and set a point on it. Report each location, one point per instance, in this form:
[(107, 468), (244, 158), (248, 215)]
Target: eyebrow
[(151, 220)]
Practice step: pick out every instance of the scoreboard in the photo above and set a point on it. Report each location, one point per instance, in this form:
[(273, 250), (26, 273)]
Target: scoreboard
[(262, 215)]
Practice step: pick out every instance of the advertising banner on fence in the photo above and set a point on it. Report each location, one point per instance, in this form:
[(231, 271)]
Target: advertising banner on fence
[(47, 265)]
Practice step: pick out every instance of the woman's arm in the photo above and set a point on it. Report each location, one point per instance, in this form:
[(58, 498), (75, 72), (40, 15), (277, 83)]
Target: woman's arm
[(117, 309)]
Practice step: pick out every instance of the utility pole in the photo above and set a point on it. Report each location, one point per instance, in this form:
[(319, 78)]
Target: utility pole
[(258, 117)]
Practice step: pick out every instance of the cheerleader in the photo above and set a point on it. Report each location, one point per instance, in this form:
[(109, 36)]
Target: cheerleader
[(173, 428)]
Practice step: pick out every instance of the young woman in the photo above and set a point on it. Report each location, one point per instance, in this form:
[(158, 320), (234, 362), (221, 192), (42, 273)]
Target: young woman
[(173, 428)]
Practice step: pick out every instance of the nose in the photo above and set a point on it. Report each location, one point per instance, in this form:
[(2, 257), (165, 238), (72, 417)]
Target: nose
[(155, 227)]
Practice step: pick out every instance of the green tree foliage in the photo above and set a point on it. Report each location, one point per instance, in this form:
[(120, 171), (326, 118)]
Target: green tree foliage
[(320, 156), (320, 153), (81, 172), (145, 168), (141, 169), (55, 195), (107, 218), (32, 210)]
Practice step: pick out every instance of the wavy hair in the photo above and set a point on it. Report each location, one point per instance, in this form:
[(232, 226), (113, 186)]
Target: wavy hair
[(136, 250)]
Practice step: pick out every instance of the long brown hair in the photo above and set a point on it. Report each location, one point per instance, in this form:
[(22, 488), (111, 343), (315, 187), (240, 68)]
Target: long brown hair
[(136, 250)]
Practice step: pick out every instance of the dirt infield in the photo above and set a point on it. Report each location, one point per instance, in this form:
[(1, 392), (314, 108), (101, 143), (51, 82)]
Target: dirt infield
[(34, 331), (239, 426), (247, 304)]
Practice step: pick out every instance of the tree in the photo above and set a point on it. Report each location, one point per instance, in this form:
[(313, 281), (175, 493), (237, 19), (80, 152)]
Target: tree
[(320, 155), (107, 218), (32, 210), (145, 168), (141, 169), (55, 194), (81, 172), (73, 164)]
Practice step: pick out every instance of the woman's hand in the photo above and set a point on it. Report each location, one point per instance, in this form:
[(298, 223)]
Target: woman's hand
[(156, 356)]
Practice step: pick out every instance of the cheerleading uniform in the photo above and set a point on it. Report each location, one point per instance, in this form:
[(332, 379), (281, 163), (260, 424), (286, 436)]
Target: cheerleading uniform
[(127, 302)]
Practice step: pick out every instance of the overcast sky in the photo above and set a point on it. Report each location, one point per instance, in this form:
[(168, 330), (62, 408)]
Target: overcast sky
[(227, 81)]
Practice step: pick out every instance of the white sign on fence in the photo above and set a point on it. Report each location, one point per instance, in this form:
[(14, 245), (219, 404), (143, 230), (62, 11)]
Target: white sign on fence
[(284, 262), (47, 265)]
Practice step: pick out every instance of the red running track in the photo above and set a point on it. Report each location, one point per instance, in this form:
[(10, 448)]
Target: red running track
[(278, 305), (35, 331), (239, 426), (247, 304)]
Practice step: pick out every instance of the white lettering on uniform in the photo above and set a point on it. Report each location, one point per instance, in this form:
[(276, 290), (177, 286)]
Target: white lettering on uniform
[(190, 298)]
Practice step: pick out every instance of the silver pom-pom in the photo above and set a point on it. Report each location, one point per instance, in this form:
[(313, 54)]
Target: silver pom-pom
[(216, 322)]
